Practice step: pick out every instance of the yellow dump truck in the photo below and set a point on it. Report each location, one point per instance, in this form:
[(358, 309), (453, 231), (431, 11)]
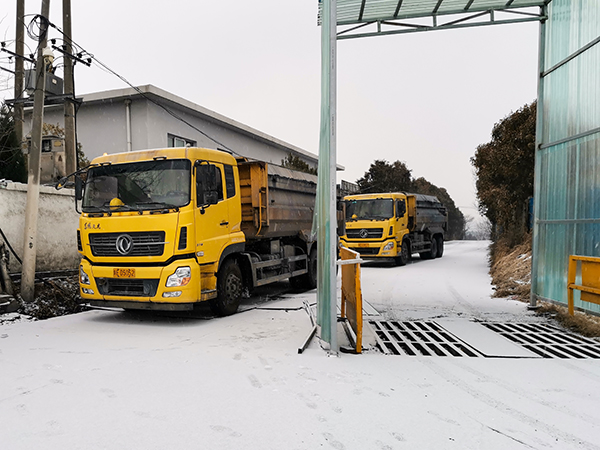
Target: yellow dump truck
[(395, 226), (165, 229)]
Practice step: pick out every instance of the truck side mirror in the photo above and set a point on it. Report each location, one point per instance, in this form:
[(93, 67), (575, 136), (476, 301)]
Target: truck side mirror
[(78, 188)]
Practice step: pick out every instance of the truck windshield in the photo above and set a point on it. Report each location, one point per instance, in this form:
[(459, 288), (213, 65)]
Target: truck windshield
[(373, 209), (138, 186)]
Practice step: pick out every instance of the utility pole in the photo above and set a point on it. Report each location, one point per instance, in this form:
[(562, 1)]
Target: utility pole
[(35, 155), (70, 144), (19, 72)]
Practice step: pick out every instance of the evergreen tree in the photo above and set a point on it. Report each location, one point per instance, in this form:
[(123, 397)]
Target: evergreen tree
[(12, 160), (504, 168), (385, 177), (295, 163), (456, 219)]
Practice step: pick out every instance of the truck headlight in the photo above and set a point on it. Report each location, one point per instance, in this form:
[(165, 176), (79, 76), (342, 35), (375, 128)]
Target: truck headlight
[(83, 277), (181, 277), (388, 246)]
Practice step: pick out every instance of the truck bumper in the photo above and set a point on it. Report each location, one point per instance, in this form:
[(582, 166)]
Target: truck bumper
[(385, 249), (139, 287)]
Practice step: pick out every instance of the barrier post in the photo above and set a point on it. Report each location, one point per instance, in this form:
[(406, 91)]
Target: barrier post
[(351, 307)]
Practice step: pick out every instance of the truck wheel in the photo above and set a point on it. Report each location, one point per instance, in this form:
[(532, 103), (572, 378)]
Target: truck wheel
[(309, 279), (404, 256), (440, 246), (229, 289), (432, 253)]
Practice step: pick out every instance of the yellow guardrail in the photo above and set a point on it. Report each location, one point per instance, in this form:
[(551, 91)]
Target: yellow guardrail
[(351, 293), (590, 280)]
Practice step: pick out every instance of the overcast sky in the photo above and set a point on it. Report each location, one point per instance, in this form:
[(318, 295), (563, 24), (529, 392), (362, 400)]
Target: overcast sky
[(427, 99)]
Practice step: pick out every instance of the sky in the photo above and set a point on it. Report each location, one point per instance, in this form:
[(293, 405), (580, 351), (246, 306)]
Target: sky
[(426, 99)]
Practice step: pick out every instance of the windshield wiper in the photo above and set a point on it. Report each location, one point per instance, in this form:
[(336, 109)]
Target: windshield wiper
[(122, 208), (92, 209), (158, 205)]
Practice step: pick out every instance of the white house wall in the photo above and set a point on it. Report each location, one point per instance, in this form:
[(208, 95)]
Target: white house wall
[(57, 226), (102, 128)]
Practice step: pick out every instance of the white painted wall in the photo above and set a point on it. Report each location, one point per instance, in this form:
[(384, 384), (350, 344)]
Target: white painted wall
[(101, 126), (57, 226)]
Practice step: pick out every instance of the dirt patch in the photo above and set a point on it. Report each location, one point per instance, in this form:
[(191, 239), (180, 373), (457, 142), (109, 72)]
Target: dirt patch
[(54, 297), (581, 323), (511, 270)]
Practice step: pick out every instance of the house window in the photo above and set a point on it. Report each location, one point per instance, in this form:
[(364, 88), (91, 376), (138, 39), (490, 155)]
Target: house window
[(177, 141)]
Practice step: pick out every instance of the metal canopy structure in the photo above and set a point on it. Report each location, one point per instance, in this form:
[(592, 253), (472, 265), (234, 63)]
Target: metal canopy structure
[(365, 18)]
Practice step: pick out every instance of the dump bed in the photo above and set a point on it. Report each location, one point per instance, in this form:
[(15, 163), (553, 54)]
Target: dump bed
[(431, 214), (276, 202)]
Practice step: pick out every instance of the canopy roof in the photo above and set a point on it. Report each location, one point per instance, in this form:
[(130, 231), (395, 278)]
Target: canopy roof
[(384, 16)]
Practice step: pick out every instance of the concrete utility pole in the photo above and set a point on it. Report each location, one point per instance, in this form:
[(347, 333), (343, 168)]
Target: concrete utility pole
[(70, 144), (35, 155), (19, 72)]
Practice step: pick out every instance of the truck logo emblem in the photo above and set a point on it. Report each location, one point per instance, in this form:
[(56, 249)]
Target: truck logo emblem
[(363, 233), (124, 244)]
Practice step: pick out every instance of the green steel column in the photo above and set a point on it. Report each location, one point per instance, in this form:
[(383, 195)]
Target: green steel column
[(539, 131), (326, 192)]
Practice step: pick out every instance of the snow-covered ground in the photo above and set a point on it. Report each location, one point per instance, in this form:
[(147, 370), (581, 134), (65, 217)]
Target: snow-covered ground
[(110, 380)]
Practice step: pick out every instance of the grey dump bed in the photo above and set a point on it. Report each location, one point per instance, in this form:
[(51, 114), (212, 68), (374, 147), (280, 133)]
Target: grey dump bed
[(431, 214)]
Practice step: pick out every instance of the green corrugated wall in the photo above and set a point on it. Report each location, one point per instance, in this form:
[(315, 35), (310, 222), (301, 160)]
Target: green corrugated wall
[(567, 184)]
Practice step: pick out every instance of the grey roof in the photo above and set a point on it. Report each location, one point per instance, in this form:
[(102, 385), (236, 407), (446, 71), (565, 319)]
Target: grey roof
[(360, 11), (164, 96)]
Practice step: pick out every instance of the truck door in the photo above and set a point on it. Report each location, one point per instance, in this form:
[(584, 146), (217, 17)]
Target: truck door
[(401, 218), (211, 214)]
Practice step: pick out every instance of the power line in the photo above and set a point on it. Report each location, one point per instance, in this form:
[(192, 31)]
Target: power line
[(143, 94)]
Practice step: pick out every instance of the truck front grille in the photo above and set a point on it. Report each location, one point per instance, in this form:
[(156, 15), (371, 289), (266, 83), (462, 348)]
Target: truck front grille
[(367, 251), (143, 244), (132, 287), (364, 233)]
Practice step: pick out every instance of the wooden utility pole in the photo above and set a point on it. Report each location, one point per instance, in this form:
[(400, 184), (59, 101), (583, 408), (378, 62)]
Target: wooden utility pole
[(35, 155), (70, 144), (19, 72)]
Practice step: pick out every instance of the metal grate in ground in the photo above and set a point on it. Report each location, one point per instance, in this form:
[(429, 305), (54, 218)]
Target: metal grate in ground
[(547, 340), (424, 338)]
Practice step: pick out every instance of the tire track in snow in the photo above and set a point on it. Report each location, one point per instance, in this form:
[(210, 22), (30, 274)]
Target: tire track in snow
[(465, 305), (536, 424), (525, 394)]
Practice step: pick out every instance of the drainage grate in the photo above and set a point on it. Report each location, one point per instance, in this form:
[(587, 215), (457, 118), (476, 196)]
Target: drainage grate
[(547, 341), (418, 338)]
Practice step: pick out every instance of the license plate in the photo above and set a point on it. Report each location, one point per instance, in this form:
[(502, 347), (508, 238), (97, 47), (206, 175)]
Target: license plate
[(363, 245), (124, 273)]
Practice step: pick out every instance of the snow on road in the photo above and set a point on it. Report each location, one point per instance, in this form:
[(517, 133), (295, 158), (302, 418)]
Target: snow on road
[(110, 380)]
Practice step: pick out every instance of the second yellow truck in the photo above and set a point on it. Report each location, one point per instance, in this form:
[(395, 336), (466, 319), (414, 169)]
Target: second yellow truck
[(395, 225)]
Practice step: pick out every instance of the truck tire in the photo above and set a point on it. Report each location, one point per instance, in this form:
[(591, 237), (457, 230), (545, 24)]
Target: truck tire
[(229, 289), (440, 246), (308, 280), (405, 254), (432, 253)]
